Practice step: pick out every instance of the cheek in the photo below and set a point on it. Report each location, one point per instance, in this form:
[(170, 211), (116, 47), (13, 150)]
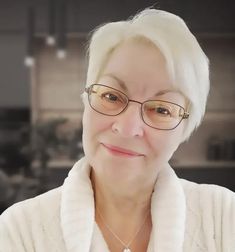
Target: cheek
[(94, 122), (164, 143), (93, 125)]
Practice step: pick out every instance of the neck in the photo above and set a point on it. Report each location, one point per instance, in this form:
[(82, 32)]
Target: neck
[(126, 210), (122, 199)]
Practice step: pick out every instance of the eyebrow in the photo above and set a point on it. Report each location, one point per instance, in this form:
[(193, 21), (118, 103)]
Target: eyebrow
[(123, 86), (119, 81)]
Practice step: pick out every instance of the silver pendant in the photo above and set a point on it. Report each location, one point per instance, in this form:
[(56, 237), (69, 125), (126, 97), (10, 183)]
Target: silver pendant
[(126, 250)]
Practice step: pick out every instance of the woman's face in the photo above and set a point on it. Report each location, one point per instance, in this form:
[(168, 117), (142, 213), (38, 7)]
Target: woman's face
[(123, 147)]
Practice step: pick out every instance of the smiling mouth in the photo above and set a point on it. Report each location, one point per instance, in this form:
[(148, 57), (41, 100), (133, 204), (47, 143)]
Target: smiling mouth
[(115, 150)]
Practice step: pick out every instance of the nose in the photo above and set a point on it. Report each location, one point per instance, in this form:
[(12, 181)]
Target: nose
[(129, 123)]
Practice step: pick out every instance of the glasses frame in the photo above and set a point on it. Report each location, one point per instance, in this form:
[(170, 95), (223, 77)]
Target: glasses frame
[(88, 90)]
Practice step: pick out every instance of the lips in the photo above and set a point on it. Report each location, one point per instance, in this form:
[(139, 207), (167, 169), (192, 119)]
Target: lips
[(121, 151)]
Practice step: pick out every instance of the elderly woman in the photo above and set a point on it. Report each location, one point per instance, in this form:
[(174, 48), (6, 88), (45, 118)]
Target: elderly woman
[(147, 86)]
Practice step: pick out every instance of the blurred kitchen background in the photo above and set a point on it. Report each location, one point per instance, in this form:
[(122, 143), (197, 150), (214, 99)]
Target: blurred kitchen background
[(42, 75)]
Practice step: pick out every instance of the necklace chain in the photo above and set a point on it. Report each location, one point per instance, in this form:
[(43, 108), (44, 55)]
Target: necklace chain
[(127, 245)]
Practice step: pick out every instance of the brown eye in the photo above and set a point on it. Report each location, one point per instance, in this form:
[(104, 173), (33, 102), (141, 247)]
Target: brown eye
[(110, 97), (163, 111)]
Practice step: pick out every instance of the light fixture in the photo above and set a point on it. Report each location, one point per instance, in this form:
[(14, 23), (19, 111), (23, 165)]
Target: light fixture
[(30, 29), (61, 29), (50, 38), (29, 61), (61, 53)]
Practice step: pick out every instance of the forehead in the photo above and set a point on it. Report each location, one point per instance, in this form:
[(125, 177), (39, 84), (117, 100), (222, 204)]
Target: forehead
[(137, 66)]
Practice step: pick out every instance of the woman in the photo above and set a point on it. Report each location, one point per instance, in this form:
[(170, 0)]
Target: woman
[(147, 86)]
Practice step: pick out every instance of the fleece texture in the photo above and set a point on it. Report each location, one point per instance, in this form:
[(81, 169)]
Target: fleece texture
[(185, 216)]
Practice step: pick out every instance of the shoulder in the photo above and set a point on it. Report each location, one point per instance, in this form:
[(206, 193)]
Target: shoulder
[(210, 215), (208, 199), (41, 203), (207, 193), (30, 220)]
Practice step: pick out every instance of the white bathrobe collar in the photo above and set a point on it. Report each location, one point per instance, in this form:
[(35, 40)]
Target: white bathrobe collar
[(168, 210)]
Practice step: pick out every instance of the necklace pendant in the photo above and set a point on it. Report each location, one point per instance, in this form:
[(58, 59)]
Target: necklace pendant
[(126, 250)]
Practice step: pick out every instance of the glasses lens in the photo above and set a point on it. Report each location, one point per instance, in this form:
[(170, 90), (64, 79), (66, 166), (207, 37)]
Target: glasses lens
[(107, 100), (161, 114)]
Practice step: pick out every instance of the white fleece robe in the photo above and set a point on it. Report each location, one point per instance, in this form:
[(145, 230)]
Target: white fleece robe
[(186, 217)]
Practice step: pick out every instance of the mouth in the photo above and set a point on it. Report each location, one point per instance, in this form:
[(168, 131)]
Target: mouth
[(118, 151)]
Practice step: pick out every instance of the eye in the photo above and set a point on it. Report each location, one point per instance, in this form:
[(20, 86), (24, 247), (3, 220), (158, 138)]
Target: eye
[(163, 111), (160, 111), (109, 96), (112, 97)]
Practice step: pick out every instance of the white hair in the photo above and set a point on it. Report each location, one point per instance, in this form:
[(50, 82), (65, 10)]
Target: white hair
[(187, 64)]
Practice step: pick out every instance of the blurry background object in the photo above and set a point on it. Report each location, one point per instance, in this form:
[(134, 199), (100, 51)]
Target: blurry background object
[(14, 140), (41, 106), (50, 37), (6, 191), (30, 30), (62, 29)]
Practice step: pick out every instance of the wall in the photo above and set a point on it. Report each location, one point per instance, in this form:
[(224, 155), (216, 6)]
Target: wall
[(14, 81), (58, 83)]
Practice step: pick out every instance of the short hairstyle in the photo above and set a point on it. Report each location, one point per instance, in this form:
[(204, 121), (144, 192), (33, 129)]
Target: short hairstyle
[(187, 64)]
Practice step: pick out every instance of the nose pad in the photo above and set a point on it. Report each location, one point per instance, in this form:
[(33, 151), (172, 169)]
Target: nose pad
[(129, 123)]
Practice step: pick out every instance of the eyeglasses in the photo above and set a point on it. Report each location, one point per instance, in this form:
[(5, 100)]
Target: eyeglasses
[(157, 114)]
